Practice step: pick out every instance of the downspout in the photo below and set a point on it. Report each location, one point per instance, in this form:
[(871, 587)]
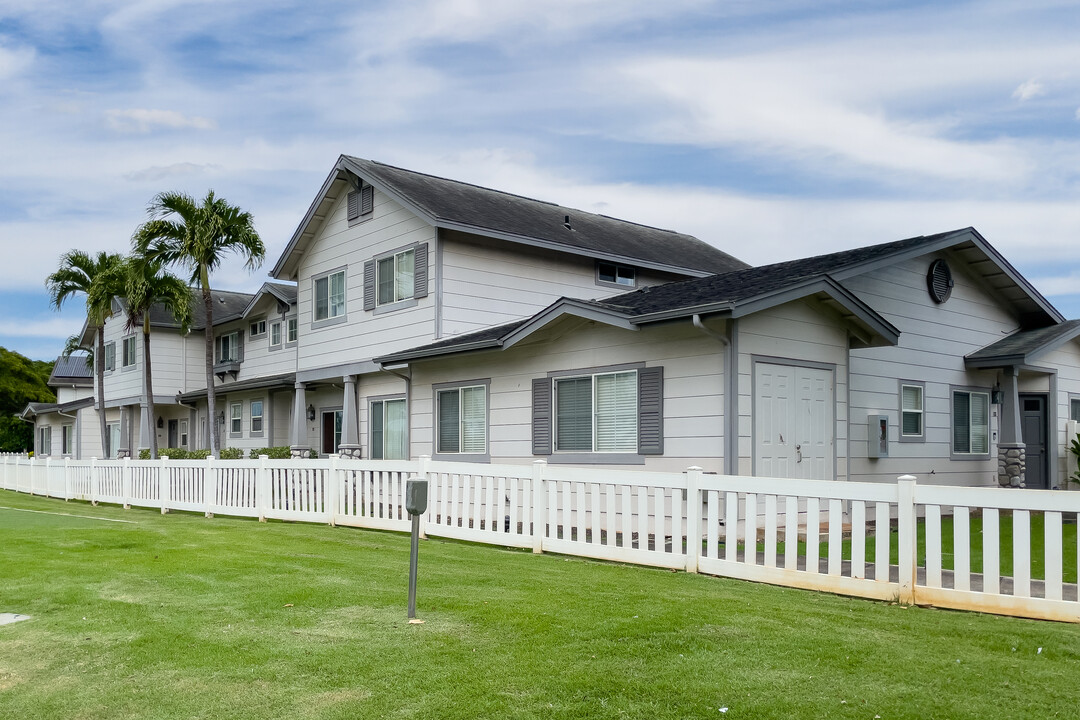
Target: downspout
[(731, 388), (408, 405)]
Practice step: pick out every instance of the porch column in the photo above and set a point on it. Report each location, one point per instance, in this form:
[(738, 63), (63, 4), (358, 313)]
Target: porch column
[(1012, 453), (298, 437), (350, 437), (146, 425), (125, 433)]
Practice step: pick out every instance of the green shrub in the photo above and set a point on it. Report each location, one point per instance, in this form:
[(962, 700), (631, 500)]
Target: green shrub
[(313, 454), (281, 452), (177, 454), (231, 453)]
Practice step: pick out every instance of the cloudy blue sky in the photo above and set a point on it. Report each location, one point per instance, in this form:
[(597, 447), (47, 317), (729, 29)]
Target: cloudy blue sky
[(772, 129)]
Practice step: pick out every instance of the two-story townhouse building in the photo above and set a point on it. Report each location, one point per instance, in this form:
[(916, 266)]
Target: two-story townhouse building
[(68, 426)]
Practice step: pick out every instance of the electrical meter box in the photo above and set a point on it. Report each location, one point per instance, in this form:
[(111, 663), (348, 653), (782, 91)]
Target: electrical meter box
[(877, 436), (416, 496)]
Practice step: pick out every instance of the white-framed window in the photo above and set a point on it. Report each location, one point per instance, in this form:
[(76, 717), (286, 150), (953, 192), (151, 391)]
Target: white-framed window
[(290, 330), (329, 291), (256, 416), (389, 432), (228, 347), (129, 355), (970, 422), (67, 439), (609, 272), (45, 440), (394, 277), (597, 413), (113, 439), (257, 328), (110, 356), (462, 420), (912, 412), (275, 334), (236, 426), (1074, 409), (183, 433)]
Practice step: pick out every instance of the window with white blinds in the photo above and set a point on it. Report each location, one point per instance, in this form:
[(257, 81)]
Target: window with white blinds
[(971, 422), (597, 413), (463, 420), (911, 411)]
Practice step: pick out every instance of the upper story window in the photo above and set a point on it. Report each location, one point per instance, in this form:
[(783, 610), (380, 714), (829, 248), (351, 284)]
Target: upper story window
[(329, 295), (396, 280), (395, 277), (110, 356), (290, 330), (607, 272), (1074, 410), (970, 422), (275, 334), (361, 203), (128, 348), (257, 328), (228, 347)]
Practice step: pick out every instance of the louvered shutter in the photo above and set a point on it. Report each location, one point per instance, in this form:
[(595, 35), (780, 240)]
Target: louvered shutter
[(240, 346), (354, 205), (651, 411), (541, 416), (420, 271), (367, 199), (369, 285)]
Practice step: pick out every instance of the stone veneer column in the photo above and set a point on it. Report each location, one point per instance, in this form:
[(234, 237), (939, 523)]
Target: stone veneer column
[(1012, 463), (1012, 453), (349, 447), (298, 447)]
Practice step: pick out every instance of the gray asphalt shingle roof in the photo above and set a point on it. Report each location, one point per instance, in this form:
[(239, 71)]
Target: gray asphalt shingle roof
[(228, 305), (1024, 343)]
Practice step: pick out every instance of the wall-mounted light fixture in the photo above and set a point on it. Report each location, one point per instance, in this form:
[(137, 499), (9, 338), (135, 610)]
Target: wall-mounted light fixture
[(160, 422), (996, 396), (310, 412), (221, 418)]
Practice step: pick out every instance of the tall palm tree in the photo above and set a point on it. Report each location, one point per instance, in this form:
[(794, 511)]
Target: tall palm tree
[(146, 284), (197, 236), (79, 272)]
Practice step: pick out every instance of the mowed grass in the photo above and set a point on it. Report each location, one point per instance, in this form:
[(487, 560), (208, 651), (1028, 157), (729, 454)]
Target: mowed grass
[(182, 617)]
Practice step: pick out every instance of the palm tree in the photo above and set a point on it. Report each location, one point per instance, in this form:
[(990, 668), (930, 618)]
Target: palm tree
[(197, 236), (79, 272), (146, 284)]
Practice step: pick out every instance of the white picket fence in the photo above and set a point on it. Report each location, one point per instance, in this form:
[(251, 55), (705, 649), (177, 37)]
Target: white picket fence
[(751, 528)]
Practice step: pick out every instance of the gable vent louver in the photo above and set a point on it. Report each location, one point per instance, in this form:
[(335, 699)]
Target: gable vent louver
[(939, 281)]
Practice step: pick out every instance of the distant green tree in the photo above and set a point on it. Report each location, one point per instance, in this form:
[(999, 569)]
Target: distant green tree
[(21, 381)]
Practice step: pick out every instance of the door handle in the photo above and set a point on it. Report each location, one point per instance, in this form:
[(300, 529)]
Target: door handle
[(798, 453)]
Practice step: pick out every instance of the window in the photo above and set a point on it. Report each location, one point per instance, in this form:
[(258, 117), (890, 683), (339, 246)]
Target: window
[(66, 439), (112, 439), (911, 411), (971, 422), (45, 441), (236, 428), (597, 413), (257, 328), (110, 356), (395, 277), (128, 351), (290, 333), (331, 430), (618, 274), (462, 420), (1074, 409), (389, 430), (229, 347), (256, 416), (275, 334), (330, 296), (183, 433)]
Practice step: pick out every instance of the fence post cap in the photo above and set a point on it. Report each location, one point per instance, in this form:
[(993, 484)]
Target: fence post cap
[(695, 468), (907, 478), (539, 462), (264, 457)]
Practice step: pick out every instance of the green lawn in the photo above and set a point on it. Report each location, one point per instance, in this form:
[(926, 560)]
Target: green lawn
[(184, 617)]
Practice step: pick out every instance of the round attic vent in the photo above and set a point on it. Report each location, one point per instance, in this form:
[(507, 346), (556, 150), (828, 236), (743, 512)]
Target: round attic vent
[(939, 281)]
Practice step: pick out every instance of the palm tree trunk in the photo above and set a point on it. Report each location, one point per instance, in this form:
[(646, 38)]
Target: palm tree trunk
[(148, 386), (99, 371), (211, 420)]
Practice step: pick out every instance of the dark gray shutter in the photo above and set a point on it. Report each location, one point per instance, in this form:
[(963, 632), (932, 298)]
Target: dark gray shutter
[(541, 416), (354, 205), (420, 271), (367, 199), (651, 411), (369, 285), (240, 345)]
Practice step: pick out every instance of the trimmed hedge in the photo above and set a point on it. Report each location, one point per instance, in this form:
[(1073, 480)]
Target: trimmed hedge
[(281, 452), (177, 454), (231, 453)]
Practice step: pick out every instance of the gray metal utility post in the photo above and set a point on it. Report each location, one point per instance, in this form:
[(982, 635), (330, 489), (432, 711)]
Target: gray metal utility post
[(416, 505)]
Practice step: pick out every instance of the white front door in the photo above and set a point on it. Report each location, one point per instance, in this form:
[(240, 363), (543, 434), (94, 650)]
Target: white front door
[(793, 422)]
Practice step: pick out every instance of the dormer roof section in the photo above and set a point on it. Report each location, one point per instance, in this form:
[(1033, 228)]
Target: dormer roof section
[(454, 205)]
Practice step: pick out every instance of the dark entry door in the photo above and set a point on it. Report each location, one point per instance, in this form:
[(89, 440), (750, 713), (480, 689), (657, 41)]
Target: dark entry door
[(172, 433), (1033, 425)]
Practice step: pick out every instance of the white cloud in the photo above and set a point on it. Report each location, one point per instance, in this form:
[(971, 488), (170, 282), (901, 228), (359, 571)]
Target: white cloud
[(1028, 89), (159, 173), (61, 327), (142, 120), (13, 61)]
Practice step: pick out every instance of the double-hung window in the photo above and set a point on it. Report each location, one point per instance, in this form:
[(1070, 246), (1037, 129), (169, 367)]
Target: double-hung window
[(67, 439), (129, 351), (290, 330), (597, 413), (113, 440), (330, 296), (183, 433), (45, 444), (970, 422), (275, 334), (229, 347), (462, 420), (388, 421), (236, 426), (912, 413), (256, 416), (395, 277), (1074, 410), (110, 356)]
